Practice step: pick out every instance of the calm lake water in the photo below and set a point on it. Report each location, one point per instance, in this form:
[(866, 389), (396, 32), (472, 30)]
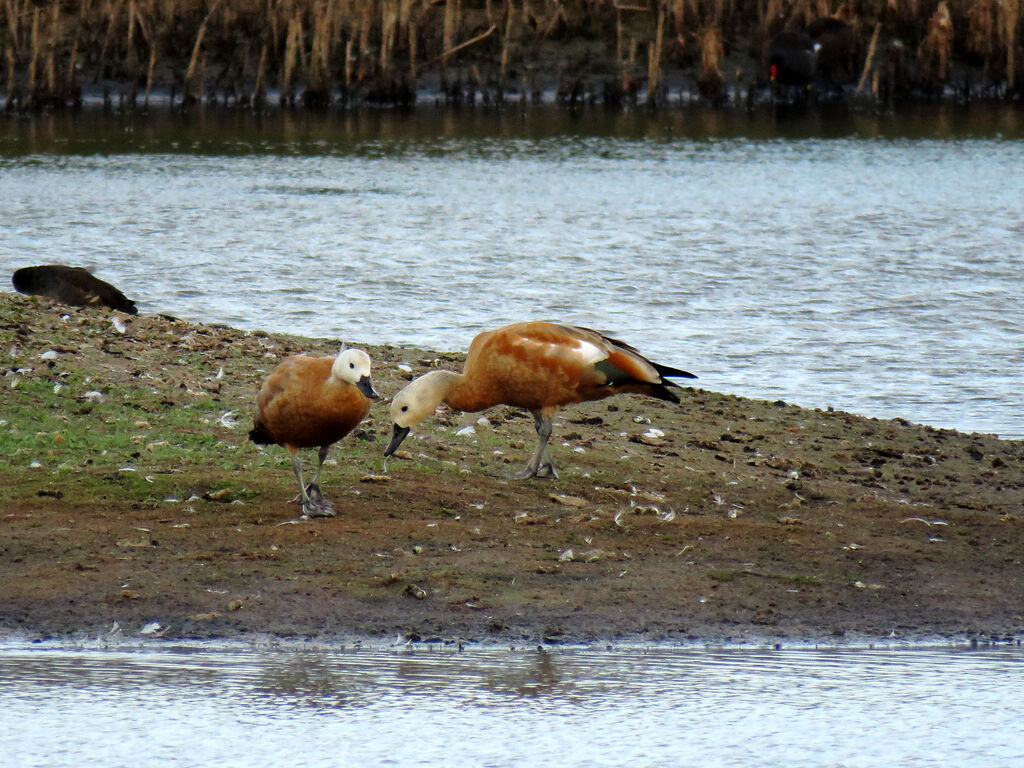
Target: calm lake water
[(867, 263), (251, 707)]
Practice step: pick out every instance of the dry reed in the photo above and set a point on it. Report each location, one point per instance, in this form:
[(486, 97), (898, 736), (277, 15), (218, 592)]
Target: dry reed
[(981, 29), (34, 52), (389, 12), (260, 90), (50, 67), (412, 50), (451, 14), (317, 79), (506, 41), (349, 60), (310, 47), (150, 70), (868, 60), (1009, 15), (291, 58), (654, 59), (12, 25), (936, 49), (9, 101), (711, 52)]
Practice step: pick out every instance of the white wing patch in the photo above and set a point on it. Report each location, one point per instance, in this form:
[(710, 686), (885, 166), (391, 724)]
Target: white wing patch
[(590, 353), (587, 352)]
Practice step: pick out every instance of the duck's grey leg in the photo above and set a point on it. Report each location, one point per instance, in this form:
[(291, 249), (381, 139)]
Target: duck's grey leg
[(540, 464), (313, 502), (545, 467), (321, 457)]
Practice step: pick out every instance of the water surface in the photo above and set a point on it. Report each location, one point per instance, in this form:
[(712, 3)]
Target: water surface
[(324, 707), (865, 263)]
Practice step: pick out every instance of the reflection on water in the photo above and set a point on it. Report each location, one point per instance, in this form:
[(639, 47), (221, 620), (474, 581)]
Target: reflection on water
[(864, 262), (220, 132), (179, 706)]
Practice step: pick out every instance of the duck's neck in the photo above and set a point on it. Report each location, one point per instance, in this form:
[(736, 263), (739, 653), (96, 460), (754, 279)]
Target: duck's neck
[(460, 394)]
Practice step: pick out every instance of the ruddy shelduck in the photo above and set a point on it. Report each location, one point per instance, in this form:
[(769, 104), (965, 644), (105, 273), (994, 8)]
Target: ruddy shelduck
[(537, 366), (309, 402)]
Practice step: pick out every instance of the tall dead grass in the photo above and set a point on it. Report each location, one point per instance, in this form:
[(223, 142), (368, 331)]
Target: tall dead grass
[(318, 52)]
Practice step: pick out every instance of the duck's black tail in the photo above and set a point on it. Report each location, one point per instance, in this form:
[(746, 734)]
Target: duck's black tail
[(259, 435), (662, 391), (666, 371)]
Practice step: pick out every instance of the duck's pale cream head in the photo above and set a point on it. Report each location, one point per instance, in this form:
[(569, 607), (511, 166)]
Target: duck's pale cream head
[(414, 403), (353, 366)]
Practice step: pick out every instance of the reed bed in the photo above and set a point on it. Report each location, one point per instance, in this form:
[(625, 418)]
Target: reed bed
[(319, 53)]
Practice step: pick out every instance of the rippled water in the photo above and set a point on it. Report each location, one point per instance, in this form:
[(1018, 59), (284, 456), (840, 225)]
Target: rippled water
[(186, 707), (873, 267)]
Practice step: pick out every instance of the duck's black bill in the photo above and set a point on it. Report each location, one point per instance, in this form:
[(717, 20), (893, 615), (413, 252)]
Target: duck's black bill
[(396, 439), (367, 388)]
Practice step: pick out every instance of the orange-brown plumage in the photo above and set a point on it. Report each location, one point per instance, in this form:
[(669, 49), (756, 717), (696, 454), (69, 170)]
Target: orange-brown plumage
[(538, 366), (309, 402), (301, 406)]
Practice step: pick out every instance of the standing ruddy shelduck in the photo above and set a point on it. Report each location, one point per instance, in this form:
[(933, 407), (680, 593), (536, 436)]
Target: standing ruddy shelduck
[(309, 402), (537, 366)]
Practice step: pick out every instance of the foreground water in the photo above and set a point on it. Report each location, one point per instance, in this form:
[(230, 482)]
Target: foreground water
[(249, 707), (869, 263)]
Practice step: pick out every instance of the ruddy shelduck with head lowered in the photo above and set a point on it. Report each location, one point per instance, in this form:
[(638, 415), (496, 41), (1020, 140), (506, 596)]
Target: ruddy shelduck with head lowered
[(537, 366), (309, 402)]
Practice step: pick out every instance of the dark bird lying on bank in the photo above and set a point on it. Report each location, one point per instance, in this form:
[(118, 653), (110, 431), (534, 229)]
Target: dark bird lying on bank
[(70, 285), (310, 402), (539, 367)]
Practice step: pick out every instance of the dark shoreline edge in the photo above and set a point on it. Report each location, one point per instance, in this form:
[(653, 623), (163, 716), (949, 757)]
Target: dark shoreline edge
[(257, 641)]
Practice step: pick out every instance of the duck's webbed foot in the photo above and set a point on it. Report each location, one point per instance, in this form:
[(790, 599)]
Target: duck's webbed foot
[(316, 504), (546, 469), (522, 474), (542, 469), (317, 510)]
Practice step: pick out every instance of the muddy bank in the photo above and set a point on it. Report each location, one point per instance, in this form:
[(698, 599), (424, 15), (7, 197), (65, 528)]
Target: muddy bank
[(130, 495)]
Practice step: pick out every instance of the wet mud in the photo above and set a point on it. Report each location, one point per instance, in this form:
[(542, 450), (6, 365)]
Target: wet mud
[(131, 502)]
